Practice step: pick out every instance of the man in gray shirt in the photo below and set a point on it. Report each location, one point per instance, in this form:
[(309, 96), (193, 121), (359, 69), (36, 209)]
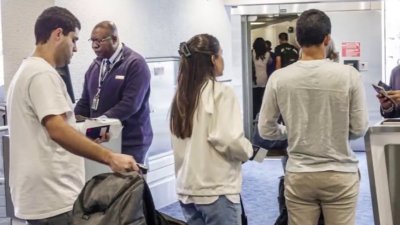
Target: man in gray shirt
[(323, 106)]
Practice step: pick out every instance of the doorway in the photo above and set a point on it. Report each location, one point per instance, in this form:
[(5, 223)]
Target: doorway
[(351, 22)]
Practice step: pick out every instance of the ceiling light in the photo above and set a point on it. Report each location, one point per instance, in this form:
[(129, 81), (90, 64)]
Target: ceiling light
[(257, 23)]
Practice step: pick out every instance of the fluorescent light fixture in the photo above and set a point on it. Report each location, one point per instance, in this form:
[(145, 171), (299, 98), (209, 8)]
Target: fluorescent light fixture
[(257, 23)]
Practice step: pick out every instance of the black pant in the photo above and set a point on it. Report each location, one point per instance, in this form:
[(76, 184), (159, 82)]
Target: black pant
[(62, 219), (258, 94)]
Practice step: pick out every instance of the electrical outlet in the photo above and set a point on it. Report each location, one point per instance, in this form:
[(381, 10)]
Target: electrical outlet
[(363, 66)]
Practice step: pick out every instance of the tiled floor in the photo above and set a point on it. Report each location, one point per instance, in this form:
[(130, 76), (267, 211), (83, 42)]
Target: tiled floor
[(3, 218)]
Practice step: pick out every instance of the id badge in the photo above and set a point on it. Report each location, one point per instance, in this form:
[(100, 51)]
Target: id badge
[(95, 103)]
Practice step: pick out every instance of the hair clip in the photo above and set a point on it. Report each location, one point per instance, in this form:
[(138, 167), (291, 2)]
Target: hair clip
[(184, 49)]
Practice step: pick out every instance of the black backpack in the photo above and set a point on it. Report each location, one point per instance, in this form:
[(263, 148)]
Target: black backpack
[(289, 54), (117, 199), (283, 214)]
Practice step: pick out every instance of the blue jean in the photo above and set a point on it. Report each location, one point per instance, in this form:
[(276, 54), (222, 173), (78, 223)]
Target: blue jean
[(220, 212)]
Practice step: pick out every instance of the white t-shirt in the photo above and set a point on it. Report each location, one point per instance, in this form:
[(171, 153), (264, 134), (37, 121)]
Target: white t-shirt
[(260, 66), (45, 179)]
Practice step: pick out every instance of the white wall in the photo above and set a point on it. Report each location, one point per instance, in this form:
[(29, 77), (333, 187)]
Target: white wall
[(392, 36), (18, 18), (262, 2), (364, 27), (153, 28)]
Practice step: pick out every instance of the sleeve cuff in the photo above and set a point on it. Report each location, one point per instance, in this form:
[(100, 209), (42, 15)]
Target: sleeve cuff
[(388, 110)]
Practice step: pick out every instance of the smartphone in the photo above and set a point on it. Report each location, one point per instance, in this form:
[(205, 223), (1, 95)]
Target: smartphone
[(385, 86), (97, 132), (255, 151), (379, 89)]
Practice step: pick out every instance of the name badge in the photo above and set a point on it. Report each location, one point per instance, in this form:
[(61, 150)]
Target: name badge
[(95, 103), (119, 77)]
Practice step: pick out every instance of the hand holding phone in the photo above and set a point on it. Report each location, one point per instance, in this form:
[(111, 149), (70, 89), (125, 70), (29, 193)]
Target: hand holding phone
[(259, 154), (381, 90), (385, 86)]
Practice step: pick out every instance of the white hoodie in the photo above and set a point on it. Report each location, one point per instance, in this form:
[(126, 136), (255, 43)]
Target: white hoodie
[(209, 162)]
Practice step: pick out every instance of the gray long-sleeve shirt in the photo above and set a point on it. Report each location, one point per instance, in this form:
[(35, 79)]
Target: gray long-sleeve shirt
[(323, 105)]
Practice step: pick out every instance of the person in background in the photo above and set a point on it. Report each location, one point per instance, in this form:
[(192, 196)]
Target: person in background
[(46, 172), (117, 85), (323, 105), (285, 53), (390, 109), (271, 65), (207, 137), (331, 53), (260, 59)]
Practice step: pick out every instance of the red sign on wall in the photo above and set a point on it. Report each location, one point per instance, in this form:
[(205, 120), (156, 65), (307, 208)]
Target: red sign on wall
[(351, 49)]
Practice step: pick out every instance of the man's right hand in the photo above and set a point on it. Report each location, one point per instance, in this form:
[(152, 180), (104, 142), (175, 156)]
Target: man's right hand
[(122, 163)]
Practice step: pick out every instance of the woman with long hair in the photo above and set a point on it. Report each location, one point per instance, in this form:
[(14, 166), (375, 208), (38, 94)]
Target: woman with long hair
[(207, 137), (260, 59)]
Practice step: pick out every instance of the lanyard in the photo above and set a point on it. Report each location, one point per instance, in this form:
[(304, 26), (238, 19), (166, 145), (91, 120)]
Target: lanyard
[(105, 68), (103, 74)]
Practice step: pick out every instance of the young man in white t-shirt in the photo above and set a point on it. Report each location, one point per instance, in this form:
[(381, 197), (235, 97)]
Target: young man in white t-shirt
[(46, 172)]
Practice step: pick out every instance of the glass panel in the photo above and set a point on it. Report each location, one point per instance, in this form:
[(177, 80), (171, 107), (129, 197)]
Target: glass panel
[(163, 80)]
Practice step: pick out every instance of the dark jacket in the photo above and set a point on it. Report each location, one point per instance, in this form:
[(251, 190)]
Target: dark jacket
[(124, 95), (288, 53), (118, 199), (394, 85)]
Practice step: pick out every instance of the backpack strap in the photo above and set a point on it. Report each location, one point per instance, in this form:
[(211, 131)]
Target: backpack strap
[(244, 217), (149, 209)]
